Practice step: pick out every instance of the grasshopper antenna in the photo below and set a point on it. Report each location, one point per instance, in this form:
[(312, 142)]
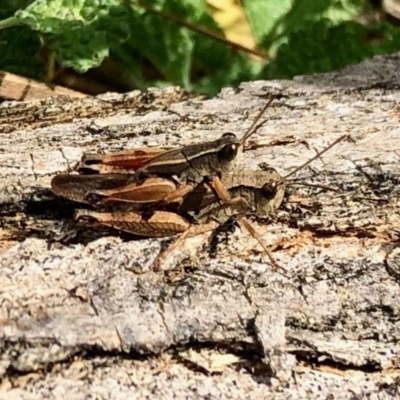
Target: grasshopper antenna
[(294, 183), (254, 127), (318, 155)]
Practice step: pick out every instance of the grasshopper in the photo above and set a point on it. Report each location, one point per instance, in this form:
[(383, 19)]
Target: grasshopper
[(186, 167), (251, 190), (259, 192)]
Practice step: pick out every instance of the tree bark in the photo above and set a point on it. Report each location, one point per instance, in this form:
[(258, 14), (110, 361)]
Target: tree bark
[(90, 317)]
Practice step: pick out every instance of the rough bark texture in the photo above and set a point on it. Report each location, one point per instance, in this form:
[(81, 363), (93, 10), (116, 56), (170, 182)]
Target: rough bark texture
[(89, 317)]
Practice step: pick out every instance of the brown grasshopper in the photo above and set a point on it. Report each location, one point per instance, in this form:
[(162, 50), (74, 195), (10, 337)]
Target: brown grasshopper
[(186, 167), (259, 192)]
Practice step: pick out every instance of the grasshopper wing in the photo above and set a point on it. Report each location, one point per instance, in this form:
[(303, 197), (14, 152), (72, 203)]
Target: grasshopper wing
[(103, 188), (119, 162)]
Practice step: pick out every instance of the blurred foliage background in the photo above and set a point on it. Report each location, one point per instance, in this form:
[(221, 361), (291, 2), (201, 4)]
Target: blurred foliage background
[(202, 45)]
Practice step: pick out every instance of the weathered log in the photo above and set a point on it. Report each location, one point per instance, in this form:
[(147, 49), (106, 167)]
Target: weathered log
[(89, 316)]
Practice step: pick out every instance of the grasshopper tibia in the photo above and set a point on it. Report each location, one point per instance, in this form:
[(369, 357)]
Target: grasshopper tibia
[(249, 228)]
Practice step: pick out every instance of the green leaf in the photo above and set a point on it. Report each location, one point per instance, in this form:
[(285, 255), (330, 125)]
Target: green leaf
[(302, 36), (80, 32), (343, 10), (336, 47), (180, 55), (241, 69), (166, 45), (9, 7), (273, 22), (265, 16)]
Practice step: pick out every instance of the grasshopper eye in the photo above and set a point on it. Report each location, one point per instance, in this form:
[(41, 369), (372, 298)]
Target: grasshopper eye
[(228, 152), (269, 190)]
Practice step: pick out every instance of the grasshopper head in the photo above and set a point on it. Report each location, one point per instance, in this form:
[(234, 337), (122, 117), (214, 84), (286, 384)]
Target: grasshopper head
[(225, 154), (269, 195), (271, 199), (229, 154)]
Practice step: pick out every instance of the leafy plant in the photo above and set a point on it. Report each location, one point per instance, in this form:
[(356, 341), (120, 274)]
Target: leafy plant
[(159, 42)]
